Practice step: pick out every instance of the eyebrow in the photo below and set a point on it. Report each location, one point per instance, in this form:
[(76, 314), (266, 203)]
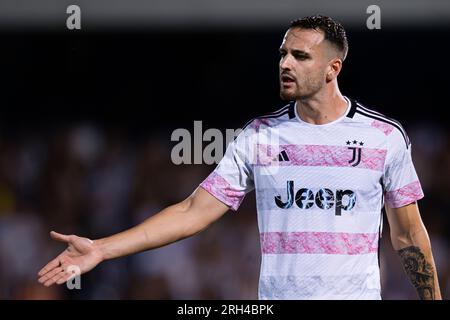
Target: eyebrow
[(296, 52)]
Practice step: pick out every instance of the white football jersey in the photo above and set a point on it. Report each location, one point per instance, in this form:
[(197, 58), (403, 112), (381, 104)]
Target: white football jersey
[(320, 190)]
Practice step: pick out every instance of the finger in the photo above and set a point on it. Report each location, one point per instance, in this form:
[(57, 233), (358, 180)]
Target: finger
[(50, 266), (50, 274), (66, 277), (70, 273), (54, 279), (59, 236)]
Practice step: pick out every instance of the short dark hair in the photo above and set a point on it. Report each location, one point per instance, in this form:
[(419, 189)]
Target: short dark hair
[(333, 30)]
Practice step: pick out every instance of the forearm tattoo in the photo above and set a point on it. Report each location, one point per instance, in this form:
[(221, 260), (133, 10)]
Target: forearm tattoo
[(420, 271)]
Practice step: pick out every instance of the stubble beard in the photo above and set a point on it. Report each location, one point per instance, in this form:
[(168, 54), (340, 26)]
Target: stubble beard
[(311, 88)]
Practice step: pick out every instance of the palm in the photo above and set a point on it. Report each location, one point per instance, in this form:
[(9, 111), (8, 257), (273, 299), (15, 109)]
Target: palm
[(80, 256), (79, 253)]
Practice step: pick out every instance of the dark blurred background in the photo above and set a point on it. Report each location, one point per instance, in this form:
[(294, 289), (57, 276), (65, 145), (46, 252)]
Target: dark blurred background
[(86, 118)]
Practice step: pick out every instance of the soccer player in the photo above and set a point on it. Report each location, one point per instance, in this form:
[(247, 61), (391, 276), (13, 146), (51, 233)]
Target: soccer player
[(322, 167)]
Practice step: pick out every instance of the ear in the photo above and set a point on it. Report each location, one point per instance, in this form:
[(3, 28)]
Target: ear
[(334, 67)]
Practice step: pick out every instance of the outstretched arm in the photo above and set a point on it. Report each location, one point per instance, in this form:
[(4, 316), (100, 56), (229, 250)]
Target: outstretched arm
[(410, 239), (174, 223)]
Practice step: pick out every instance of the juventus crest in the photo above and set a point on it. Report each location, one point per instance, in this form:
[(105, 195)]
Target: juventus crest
[(356, 148)]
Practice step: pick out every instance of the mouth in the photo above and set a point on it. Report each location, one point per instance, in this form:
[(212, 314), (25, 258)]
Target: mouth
[(287, 80)]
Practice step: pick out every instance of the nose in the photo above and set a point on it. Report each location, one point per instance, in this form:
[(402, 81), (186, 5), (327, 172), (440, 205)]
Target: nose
[(286, 63)]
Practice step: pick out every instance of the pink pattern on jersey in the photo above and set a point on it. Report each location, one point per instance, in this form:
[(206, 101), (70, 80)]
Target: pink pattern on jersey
[(386, 128), (223, 191), (405, 195), (318, 243), (321, 156)]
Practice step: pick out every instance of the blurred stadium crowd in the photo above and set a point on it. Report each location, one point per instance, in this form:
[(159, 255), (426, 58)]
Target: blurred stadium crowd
[(92, 181)]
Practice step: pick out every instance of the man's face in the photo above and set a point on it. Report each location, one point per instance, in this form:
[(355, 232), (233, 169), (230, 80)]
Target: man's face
[(303, 63)]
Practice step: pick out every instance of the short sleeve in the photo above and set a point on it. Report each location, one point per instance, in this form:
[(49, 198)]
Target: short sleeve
[(402, 185), (232, 179)]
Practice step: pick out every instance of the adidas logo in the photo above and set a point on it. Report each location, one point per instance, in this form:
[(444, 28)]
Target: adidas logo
[(282, 156)]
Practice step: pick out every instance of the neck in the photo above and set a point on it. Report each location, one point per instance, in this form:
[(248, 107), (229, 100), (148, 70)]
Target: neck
[(323, 107)]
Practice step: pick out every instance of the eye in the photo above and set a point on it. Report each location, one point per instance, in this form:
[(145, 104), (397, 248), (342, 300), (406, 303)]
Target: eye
[(300, 57), (282, 54)]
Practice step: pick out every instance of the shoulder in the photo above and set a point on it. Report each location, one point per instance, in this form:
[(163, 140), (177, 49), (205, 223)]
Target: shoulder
[(273, 118), (389, 127)]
